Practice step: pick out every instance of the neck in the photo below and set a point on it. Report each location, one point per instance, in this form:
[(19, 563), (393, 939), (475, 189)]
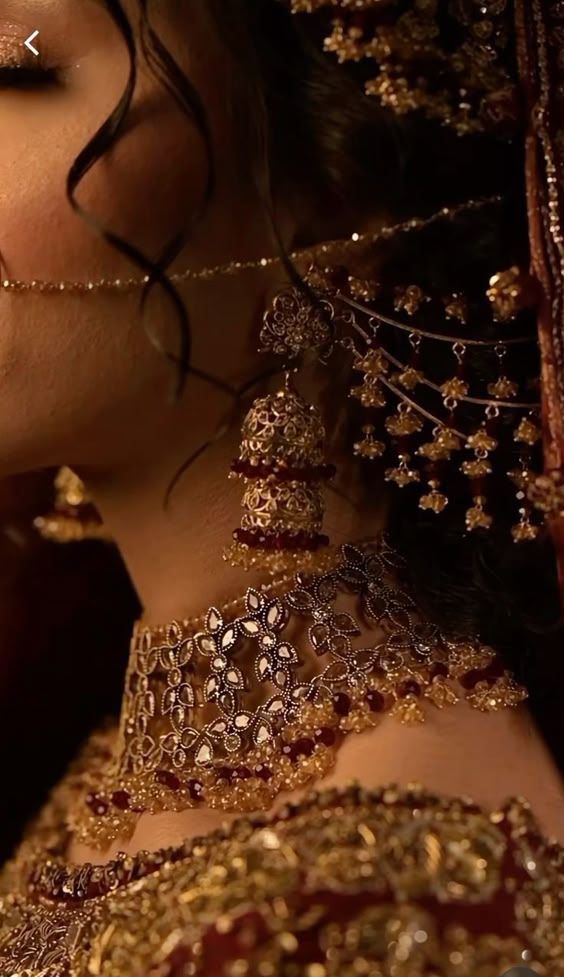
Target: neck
[(174, 553)]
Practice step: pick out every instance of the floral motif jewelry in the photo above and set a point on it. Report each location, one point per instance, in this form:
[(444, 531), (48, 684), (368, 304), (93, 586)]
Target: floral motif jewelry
[(345, 876), (233, 709)]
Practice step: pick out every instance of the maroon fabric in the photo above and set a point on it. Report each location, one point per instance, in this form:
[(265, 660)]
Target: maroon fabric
[(250, 937), (540, 45)]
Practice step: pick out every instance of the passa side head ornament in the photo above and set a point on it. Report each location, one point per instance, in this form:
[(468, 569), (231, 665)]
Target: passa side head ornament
[(449, 61)]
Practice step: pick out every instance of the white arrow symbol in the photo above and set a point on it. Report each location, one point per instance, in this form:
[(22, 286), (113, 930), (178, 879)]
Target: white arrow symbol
[(30, 46)]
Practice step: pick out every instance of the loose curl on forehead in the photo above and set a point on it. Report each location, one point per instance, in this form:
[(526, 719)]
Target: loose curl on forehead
[(239, 21), (169, 74)]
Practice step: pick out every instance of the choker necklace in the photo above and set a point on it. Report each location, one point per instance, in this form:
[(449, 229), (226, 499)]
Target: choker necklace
[(229, 710)]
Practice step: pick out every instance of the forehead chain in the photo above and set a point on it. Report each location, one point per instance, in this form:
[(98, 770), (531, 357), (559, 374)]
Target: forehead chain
[(327, 250)]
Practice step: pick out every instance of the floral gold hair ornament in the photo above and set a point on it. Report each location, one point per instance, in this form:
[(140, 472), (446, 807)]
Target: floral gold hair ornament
[(449, 61)]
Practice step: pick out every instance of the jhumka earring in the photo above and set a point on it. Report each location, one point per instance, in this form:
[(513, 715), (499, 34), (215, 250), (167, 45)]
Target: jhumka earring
[(74, 517), (282, 456)]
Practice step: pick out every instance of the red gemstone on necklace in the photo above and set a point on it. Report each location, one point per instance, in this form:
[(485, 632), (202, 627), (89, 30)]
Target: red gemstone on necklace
[(375, 701), (97, 804), (167, 779), (303, 747), (534, 838), (495, 670), (120, 799), (242, 773), (325, 735), (438, 668), (472, 809), (471, 678), (341, 704), (410, 688), (225, 773)]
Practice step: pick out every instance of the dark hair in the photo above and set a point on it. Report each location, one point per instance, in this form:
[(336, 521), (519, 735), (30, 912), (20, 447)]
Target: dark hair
[(313, 136)]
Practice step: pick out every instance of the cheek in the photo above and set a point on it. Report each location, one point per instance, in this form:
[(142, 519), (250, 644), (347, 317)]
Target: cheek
[(78, 379), (78, 375), (145, 189)]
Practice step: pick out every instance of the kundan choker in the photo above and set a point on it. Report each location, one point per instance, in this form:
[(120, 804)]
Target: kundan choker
[(229, 710)]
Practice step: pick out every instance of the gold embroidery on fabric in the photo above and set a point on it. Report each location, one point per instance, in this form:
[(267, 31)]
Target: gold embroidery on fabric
[(346, 881)]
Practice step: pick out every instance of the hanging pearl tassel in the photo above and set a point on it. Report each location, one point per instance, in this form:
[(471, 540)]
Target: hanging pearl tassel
[(526, 435), (482, 443), (503, 388), (434, 500)]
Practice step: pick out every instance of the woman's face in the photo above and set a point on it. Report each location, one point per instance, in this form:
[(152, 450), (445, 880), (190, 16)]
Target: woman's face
[(79, 380)]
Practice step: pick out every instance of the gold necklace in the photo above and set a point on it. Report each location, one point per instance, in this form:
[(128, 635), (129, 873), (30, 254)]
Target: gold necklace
[(232, 709), (325, 250)]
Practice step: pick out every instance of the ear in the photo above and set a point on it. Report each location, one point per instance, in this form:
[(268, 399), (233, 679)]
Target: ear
[(311, 218)]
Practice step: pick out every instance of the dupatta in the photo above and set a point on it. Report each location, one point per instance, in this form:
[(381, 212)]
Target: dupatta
[(540, 47)]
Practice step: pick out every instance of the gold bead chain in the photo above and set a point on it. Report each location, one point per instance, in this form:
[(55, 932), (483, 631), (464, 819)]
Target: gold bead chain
[(327, 250)]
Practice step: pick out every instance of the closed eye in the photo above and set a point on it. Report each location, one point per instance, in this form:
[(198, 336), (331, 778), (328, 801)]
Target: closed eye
[(23, 76)]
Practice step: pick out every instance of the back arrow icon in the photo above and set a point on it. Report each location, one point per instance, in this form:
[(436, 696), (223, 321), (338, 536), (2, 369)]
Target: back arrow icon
[(30, 46)]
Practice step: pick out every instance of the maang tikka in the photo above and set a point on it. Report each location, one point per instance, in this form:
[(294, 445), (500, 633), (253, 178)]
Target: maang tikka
[(282, 457)]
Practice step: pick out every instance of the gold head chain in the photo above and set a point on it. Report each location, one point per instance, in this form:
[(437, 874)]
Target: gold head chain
[(326, 250)]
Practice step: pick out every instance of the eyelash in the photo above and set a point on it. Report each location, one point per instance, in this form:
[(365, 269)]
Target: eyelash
[(22, 77)]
